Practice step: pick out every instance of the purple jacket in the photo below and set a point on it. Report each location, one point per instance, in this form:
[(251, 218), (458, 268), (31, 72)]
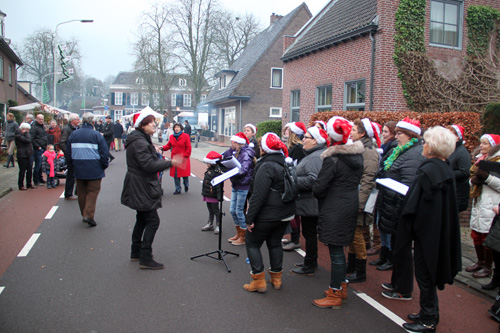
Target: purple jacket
[(244, 178)]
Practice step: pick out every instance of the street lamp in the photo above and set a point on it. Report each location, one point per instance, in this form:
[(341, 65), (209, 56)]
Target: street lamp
[(55, 52)]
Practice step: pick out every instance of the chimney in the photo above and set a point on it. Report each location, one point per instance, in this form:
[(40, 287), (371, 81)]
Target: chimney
[(275, 18)]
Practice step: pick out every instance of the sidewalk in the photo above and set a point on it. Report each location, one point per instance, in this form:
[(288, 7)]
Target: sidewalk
[(8, 183)]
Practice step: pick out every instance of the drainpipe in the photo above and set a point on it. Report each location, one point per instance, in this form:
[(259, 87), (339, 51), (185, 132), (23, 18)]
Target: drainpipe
[(372, 69), (240, 118)]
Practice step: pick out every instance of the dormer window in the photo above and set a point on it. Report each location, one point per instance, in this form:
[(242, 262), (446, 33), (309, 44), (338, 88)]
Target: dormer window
[(223, 82), (182, 82), (139, 81)]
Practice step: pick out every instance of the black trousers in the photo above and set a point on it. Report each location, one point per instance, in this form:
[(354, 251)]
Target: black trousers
[(147, 222), (25, 169), (402, 273), (271, 233), (70, 182), (310, 233), (213, 210), (429, 304)]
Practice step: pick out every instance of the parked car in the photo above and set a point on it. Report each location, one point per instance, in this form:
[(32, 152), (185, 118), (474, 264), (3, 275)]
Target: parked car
[(195, 133)]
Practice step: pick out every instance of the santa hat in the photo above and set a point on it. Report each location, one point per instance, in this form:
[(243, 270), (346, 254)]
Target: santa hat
[(139, 116), (460, 131), (212, 157), (322, 123), (492, 138), (297, 127), (272, 144), (318, 134), (411, 125), (339, 129), (372, 130), (254, 129), (240, 138)]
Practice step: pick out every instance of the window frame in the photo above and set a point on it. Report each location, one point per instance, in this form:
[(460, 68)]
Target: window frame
[(118, 98), (187, 98), (273, 69), (460, 23), (323, 107), (352, 106), (275, 108), (173, 101), (182, 82), (203, 98), (294, 108), (134, 98), (10, 74), (156, 99), (145, 99), (1, 68)]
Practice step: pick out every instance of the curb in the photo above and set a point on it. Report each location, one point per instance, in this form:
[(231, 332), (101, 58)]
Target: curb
[(5, 191)]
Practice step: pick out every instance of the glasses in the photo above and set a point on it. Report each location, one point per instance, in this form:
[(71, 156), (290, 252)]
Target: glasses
[(307, 137)]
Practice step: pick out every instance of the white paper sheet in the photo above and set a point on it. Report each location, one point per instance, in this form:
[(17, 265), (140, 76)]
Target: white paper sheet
[(224, 176), (231, 163), (393, 185)]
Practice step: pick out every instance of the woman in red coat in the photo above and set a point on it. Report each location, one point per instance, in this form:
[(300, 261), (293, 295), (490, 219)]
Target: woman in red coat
[(180, 143)]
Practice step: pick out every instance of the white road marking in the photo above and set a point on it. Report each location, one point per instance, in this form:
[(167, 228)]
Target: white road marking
[(226, 199), (51, 212), (62, 195), (1, 289), (301, 252), (26, 249), (193, 175), (382, 309)]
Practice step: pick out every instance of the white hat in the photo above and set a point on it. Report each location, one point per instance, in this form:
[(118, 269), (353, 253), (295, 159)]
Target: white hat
[(319, 135), (139, 116), (411, 125), (254, 129)]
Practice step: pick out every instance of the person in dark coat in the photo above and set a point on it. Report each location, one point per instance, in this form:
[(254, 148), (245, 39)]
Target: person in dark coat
[(142, 189), (117, 135), (99, 126), (187, 128), (24, 152), (460, 161), (429, 220), (11, 127), (73, 124), (212, 194), (336, 189), (107, 133), (39, 142), (268, 215), (400, 166)]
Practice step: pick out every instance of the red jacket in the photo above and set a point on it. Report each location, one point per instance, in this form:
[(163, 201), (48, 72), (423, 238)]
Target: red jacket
[(180, 147)]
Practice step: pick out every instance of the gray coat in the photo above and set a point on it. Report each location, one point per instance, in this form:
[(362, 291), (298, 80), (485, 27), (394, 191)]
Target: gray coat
[(10, 130), (307, 171)]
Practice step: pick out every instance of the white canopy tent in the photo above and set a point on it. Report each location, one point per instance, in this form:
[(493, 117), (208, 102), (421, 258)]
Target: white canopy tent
[(37, 106)]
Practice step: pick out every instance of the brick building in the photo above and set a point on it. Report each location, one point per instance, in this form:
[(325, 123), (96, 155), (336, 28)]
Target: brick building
[(342, 59), (250, 90)]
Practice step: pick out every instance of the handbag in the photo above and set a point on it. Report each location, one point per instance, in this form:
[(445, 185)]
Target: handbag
[(493, 239)]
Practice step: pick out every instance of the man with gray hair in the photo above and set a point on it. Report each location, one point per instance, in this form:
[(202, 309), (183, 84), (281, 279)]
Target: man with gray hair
[(73, 122), (87, 154)]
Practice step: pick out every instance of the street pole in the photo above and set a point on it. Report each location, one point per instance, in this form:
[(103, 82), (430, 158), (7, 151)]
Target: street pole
[(55, 52)]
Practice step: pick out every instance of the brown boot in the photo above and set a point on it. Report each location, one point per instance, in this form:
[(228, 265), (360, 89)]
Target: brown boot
[(488, 261), (241, 239), (480, 260), (276, 279), (344, 291), (332, 300), (235, 237), (258, 283)]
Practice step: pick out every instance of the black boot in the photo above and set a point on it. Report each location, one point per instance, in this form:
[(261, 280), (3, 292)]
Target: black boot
[(209, 226), (12, 160), (351, 263), (384, 251), (388, 264), (360, 274), (494, 311)]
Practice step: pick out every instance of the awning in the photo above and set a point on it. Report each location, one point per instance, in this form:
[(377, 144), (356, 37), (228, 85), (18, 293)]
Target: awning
[(37, 106)]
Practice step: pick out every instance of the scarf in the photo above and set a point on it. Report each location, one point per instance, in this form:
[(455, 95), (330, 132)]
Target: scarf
[(398, 151), (177, 135), (476, 190), (51, 155)]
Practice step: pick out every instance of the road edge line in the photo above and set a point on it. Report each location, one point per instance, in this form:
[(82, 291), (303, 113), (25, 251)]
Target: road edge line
[(26, 249)]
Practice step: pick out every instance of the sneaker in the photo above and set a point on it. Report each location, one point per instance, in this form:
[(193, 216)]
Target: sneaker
[(397, 296), (151, 265), (387, 286), (291, 246), (217, 230)]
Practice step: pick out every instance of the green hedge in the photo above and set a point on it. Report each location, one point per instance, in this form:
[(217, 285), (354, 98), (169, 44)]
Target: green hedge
[(268, 126), (491, 118)]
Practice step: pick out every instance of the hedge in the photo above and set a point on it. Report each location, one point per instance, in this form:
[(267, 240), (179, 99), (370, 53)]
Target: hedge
[(471, 121), (268, 126)]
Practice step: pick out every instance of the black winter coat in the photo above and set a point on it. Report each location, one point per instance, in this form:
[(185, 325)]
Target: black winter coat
[(389, 202), (430, 216), (23, 144), (336, 189), (207, 189), (460, 162), (267, 187), (117, 131), (141, 188), (65, 133), (38, 136), (107, 132), (297, 152)]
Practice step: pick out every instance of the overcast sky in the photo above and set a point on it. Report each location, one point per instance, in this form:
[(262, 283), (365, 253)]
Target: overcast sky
[(106, 42)]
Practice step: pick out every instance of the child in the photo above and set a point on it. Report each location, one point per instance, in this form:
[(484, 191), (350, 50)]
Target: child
[(212, 194), (49, 165)]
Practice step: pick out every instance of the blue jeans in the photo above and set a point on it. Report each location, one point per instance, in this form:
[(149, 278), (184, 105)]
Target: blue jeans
[(177, 182), (238, 198), (37, 172), (338, 266)]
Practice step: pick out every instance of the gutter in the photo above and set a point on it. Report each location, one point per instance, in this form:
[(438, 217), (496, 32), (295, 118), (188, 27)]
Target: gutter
[(372, 69)]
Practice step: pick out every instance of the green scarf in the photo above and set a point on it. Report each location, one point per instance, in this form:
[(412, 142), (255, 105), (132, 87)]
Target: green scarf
[(398, 151)]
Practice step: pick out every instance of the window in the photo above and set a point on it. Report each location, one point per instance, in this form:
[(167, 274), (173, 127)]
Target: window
[(277, 78), (324, 98), (10, 74), (182, 82), (187, 99), (295, 105), (275, 112), (118, 98), (156, 99), (222, 82), (118, 114), (446, 29), (1, 68), (145, 99), (173, 103), (134, 99), (139, 81), (355, 93), (203, 98), (229, 121)]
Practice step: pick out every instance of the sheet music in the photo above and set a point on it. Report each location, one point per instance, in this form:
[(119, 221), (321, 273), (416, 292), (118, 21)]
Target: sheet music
[(231, 162), (393, 185), (224, 176), (370, 203)]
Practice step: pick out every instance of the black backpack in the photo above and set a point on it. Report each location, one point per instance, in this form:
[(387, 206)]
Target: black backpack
[(291, 190)]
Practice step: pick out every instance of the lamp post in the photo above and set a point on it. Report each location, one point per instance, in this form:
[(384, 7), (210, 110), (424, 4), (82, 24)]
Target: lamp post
[(55, 52)]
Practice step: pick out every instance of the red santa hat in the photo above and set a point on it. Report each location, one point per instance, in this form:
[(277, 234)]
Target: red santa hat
[(139, 116), (492, 138), (411, 125), (254, 129), (212, 157), (372, 130), (319, 135), (460, 131), (240, 138), (322, 123), (339, 129), (272, 144), (297, 127)]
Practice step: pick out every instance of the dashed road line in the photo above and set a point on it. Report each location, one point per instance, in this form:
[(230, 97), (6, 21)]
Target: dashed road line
[(1, 289), (26, 249), (382, 309), (62, 195), (226, 199), (51, 212)]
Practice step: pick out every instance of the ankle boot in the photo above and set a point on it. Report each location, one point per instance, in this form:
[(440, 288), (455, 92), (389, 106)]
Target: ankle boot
[(276, 279), (258, 283), (209, 226), (241, 239), (343, 285), (382, 258), (360, 274), (488, 261), (235, 237), (332, 300), (388, 264), (480, 259), (351, 263)]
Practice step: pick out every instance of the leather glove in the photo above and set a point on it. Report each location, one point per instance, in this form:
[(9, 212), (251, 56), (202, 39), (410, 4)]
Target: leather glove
[(482, 175)]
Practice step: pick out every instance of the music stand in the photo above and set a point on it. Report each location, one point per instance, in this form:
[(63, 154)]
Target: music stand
[(220, 252)]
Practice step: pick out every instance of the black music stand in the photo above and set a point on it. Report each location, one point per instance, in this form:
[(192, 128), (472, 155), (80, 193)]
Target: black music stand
[(220, 252)]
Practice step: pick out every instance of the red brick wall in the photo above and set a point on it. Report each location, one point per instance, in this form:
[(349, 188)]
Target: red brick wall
[(8, 91)]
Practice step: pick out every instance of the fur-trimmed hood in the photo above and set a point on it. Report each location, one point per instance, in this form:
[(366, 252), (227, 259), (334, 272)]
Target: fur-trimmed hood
[(355, 148)]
